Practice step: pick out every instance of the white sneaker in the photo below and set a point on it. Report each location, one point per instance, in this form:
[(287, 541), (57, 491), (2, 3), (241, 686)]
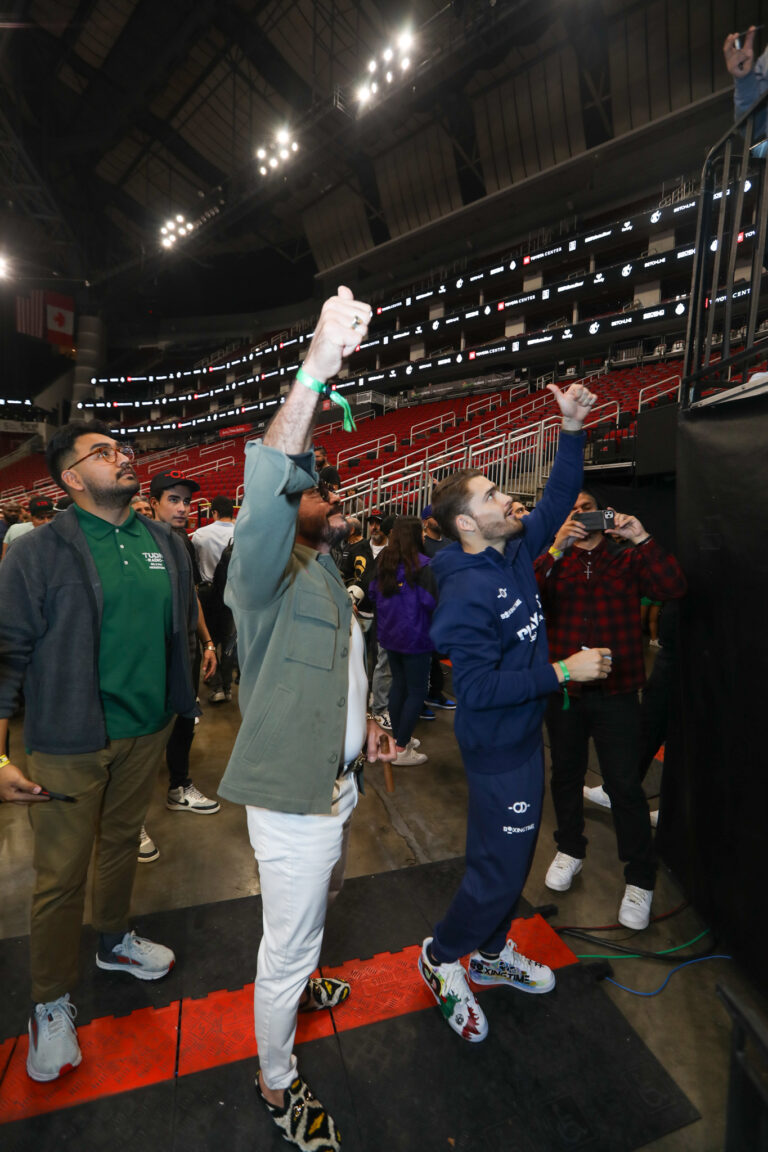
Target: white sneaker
[(191, 799), (383, 720), (561, 872), (53, 1046), (654, 818), (513, 969), (409, 757), (448, 984), (148, 850), (597, 795), (217, 697), (635, 910), (138, 957), (654, 644)]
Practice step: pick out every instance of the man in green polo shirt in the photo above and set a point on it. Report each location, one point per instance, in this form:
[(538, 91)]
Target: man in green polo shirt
[(101, 694)]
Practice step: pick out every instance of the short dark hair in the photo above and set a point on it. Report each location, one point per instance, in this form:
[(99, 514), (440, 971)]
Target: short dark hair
[(63, 441), (223, 506), (592, 495), (450, 498)]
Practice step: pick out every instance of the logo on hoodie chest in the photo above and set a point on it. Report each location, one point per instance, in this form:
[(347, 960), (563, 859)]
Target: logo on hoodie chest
[(530, 630)]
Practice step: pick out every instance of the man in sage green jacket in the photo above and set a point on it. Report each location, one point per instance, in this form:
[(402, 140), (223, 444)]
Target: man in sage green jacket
[(305, 731)]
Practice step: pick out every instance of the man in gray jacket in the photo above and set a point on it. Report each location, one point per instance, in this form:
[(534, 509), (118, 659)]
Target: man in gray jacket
[(304, 733), (100, 697)]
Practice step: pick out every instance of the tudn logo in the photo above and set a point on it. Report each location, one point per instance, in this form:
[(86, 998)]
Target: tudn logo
[(519, 807)]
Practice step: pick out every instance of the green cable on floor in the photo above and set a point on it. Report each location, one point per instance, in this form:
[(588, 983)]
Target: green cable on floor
[(637, 956)]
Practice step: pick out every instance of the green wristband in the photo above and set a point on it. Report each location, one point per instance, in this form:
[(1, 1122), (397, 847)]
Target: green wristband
[(566, 678), (334, 396)]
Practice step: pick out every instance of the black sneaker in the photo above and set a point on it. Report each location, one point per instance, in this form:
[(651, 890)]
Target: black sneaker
[(427, 714), (440, 702)]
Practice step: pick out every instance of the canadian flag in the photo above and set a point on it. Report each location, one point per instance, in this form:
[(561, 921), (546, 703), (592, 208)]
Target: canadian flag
[(59, 318)]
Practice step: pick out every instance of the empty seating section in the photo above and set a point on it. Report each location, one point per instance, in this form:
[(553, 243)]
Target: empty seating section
[(404, 434)]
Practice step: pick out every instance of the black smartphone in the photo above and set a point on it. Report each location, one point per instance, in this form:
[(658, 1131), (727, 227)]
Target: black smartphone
[(58, 796), (596, 521)]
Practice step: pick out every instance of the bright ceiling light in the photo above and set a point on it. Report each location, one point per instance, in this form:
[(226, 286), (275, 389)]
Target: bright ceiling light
[(3, 267), (389, 77), (374, 87), (263, 170), (167, 242), (405, 63), (371, 65), (261, 154), (273, 162), (180, 219), (170, 225), (164, 230), (294, 147), (283, 136), (388, 54), (404, 41), (284, 153), (363, 93)]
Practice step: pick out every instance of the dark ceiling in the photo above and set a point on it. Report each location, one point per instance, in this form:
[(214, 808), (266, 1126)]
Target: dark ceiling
[(118, 114)]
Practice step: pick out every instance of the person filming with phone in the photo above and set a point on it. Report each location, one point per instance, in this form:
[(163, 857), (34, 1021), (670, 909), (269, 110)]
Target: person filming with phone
[(590, 582), (750, 79)]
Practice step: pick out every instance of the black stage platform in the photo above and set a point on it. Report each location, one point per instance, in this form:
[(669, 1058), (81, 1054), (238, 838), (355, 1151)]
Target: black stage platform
[(171, 1068)]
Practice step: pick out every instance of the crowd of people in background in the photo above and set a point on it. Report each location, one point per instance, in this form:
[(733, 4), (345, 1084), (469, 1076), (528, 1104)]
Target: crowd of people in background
[(336, 625)]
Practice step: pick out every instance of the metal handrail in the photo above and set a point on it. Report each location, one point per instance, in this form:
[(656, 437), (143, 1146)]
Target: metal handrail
[(377, 443), (674, 384)]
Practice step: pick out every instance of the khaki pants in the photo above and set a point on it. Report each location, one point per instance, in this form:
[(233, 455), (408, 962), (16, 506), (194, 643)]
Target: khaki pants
[(113, 788)]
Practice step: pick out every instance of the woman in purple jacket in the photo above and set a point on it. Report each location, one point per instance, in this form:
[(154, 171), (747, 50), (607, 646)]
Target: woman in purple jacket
[(405, 595)]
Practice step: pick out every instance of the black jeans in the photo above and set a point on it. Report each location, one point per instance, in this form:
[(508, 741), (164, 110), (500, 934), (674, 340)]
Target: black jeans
[(180, 740), (410, 678), (613, 722)]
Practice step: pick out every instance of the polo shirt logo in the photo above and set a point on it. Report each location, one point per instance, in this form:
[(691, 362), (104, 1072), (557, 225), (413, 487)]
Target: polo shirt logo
[(154, 561)]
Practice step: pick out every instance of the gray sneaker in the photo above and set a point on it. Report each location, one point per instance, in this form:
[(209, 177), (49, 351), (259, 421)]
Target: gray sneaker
[(148, 850), (138, 957), (53, 1046), (191, 799)]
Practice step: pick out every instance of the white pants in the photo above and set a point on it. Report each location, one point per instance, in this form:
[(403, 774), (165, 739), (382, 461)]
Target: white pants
[(297, 856)]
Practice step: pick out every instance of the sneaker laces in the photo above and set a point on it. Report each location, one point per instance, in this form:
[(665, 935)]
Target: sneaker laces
[(635, 895), (59, 1014), (193, 793), (455, 982), (511, 958)]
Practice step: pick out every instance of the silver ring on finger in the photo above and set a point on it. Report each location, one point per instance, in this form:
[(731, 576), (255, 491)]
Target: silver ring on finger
[(356, 323)]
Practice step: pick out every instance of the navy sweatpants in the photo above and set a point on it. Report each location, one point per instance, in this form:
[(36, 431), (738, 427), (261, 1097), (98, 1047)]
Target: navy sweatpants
[(502, 828)]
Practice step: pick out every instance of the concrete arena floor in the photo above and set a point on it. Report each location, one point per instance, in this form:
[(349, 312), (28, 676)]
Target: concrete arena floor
[(208, 859)]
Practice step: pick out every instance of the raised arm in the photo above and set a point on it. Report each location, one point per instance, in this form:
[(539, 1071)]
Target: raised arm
[(342, 325)]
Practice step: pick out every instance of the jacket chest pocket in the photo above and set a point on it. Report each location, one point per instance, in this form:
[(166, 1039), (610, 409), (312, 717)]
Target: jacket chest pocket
[(314, 629)]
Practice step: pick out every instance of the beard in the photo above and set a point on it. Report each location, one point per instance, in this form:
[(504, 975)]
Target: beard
[(115, 495), (334, 536)]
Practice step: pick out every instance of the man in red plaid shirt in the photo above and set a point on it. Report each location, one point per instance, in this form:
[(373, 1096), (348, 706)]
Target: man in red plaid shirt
[(590, 586)]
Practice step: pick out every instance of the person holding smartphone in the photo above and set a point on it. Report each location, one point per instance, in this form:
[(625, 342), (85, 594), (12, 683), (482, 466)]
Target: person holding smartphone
[(590, 581)]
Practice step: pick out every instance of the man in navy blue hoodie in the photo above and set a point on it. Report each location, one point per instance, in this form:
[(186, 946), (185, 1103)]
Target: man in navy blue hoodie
[(489, 621)]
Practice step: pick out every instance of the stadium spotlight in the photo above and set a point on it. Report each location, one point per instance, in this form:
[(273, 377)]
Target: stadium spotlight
[(392, 56), (270, 155)]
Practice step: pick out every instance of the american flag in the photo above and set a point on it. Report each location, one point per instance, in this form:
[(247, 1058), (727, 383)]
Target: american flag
[(30, 314)]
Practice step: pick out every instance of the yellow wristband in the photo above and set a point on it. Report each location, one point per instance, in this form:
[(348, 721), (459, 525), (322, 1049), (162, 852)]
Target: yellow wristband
[(3, 761), (555, 553)]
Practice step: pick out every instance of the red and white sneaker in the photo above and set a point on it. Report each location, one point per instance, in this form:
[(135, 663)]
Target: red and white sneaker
[(138, 957), (448, 984), (53, 1046)]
